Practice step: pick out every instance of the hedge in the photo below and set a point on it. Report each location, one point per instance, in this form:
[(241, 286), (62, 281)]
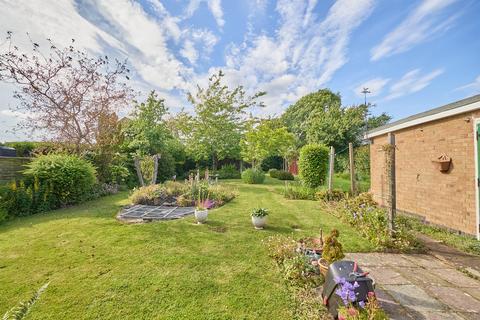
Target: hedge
[(313, 164)]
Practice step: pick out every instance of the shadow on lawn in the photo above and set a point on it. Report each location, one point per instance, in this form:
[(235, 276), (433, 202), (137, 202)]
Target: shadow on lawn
[(103, 208)]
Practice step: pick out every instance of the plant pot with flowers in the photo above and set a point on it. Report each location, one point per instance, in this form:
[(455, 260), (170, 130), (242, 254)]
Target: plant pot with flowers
[(203, 204), (259, 218)]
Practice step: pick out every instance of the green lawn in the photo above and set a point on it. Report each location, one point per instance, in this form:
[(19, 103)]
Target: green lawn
[(100, 268)]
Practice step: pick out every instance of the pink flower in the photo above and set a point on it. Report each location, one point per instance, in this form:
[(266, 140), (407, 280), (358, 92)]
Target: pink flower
[(352, 312)]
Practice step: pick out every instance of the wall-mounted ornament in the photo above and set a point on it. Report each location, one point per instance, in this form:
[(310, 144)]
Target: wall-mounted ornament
[(443, 163)]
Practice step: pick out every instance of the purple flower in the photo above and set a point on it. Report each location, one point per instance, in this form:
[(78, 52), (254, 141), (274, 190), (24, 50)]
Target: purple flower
[(362, 304), (346, 290)]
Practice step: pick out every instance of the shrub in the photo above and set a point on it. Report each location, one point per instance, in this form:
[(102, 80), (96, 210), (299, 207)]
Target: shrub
[(71, 178), (221, 194), (313, 164), (298, 191), (148, 195), (334, 195), (284, 175), (228, 171), (272, 162), (273, 173), (21, 199), (332, 249), (253, 176)]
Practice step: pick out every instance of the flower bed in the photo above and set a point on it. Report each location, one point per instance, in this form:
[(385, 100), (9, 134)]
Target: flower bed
[(182, 194), (371, 221)]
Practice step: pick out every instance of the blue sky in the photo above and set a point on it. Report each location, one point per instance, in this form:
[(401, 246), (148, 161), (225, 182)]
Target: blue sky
[(412, 55)]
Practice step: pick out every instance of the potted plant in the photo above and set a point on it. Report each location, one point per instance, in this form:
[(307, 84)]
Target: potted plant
[(259, 218), (203, 204), (332, 251)]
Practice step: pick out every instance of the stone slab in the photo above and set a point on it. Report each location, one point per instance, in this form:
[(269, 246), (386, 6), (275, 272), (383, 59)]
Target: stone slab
[(422, 277), (454, 298), (456, 278), (414, 297), (387, 275), (393, 309), (379, 259), (435, 315), (425, 261)]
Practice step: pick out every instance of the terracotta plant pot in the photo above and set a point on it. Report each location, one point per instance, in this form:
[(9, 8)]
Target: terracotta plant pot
[(443, 163), (323, 266)]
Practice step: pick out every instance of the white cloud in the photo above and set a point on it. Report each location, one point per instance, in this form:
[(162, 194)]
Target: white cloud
[(375, 86), (189, 52), (413, 81), (472, 86), (215, 7), (424, 22), (303, 47)]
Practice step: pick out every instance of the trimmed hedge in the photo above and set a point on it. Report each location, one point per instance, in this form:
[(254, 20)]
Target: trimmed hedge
[(253, 176), (284, 175), (313, 164), (273, 173)]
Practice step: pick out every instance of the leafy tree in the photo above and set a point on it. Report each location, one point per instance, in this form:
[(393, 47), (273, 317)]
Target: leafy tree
[(378, 121), (214, 131), (146, 134), (265, 139), (64, 91), (297, 116), (145, 130), (319, 117), (337, 126)]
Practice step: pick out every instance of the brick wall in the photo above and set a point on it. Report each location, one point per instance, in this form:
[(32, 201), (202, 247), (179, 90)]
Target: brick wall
[(10, 168), (446, 199)]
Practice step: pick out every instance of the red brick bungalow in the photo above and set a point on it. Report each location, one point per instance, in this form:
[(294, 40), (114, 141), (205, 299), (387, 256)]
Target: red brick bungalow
[(448, 198)]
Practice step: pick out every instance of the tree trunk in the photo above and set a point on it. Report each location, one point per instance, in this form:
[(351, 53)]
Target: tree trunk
[(139, 171), (214, 162), (155, 168)]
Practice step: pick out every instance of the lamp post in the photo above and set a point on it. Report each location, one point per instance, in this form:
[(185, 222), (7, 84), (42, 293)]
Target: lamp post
[(365, 91)]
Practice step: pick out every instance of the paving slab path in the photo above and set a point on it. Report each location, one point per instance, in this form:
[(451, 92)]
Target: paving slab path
[(421, 286)]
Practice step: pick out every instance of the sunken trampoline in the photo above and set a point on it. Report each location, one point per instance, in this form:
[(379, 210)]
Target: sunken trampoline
[(144, 213)]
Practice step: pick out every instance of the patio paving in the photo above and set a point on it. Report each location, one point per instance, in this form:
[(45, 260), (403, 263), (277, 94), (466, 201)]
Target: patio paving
[(421, 286), (144, 213)]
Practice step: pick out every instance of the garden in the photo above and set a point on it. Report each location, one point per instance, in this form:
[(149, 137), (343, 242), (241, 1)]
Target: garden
[(208, 214)]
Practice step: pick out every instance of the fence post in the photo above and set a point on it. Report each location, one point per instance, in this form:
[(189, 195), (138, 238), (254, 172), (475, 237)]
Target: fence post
[(392, 197), (331, 169), (353, 187)]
